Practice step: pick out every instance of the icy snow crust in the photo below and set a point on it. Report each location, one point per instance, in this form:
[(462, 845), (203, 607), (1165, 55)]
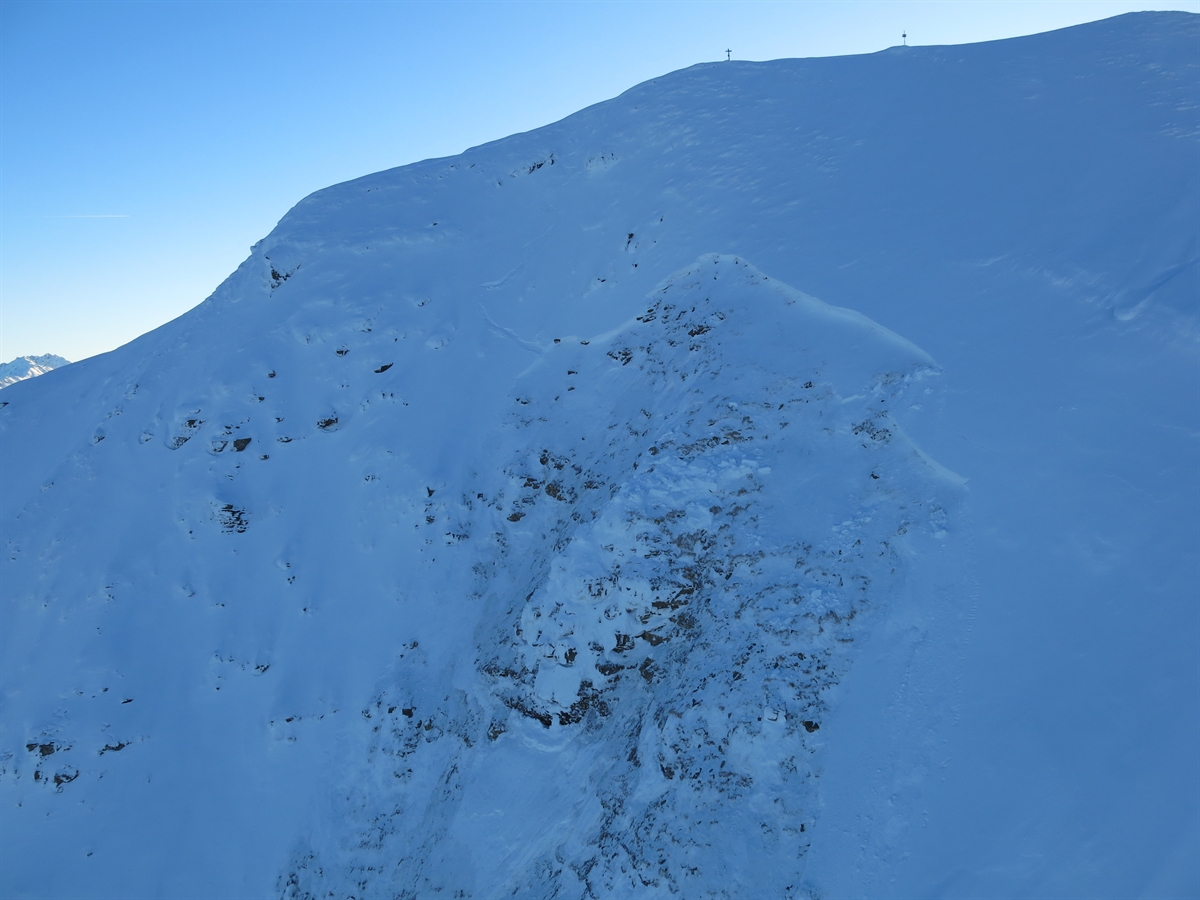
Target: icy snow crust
[(497, 528)]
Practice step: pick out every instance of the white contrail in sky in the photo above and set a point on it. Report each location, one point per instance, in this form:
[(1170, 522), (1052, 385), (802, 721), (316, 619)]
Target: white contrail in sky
[(121, 216)]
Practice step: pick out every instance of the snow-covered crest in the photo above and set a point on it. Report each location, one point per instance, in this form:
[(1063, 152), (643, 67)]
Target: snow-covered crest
[(398, 564)]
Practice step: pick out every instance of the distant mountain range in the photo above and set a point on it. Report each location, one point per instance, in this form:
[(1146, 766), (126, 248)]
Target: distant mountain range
[(29, 367)]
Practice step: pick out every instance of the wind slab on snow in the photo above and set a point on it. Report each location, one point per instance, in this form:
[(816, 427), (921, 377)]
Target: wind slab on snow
[(512, 524)]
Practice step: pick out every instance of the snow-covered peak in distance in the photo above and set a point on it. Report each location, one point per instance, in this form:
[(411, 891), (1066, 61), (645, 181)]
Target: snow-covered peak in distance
[(515, 523), (29, 367)]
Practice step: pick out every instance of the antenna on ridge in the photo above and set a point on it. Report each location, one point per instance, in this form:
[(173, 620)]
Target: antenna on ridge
[(727, 52), (904, 37)]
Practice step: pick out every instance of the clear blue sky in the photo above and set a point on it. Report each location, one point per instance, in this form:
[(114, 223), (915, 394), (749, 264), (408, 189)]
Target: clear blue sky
[(144, 146)]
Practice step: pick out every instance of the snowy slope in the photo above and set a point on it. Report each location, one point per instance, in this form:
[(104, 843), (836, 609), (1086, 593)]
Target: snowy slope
[(506, 523), (29, 367)]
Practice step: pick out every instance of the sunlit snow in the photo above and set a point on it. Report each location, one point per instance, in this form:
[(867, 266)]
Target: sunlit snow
[(29, 367)]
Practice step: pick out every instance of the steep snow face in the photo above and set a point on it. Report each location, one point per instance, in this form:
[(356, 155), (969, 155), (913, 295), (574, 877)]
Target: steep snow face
[(593, 654), (29, 367), (484, 531), (681, 530)]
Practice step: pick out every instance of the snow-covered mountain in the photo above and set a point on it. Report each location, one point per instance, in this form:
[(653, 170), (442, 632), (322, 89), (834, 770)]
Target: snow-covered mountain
[(29, 367), (521, 524)]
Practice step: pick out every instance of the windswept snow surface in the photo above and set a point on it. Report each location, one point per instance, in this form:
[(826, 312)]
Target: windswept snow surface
[(29, 367), (513, 525)]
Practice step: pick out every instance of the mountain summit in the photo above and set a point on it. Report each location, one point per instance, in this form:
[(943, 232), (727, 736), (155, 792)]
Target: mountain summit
[(522, 523), (29, 367)]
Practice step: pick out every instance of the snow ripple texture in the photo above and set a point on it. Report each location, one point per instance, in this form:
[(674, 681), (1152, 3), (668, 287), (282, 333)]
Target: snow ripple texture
[(694, 520)]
